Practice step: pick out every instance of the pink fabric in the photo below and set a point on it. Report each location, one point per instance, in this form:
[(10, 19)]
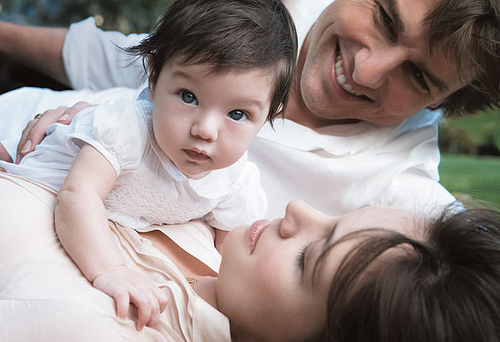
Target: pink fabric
[(43, 295)]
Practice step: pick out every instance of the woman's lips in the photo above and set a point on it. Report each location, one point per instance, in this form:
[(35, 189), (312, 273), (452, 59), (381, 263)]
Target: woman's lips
[(255, 231)]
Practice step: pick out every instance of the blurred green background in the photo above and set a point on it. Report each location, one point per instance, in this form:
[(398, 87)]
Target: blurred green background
[(470, 165)]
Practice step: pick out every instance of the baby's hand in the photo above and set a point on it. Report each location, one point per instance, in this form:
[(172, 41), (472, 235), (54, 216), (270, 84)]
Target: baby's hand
[(126, 286)]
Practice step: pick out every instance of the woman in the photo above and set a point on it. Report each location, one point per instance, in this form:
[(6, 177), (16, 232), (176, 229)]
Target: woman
[(274, 279)]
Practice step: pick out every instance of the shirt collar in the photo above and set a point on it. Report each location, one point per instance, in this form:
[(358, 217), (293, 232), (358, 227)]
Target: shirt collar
[(336, 140), (209, 324)]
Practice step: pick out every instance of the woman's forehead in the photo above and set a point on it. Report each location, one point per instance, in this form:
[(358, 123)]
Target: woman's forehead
[(398, 220)]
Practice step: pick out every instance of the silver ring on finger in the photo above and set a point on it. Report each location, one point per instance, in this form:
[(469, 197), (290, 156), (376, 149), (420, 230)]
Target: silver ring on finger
[(38, 116)]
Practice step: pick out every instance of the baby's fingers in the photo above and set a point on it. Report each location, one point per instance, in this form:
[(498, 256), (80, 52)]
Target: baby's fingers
[(148, 310), (162, 298), (122, 300)]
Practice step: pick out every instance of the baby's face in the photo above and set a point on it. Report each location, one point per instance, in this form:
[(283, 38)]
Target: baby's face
[(204, 120)]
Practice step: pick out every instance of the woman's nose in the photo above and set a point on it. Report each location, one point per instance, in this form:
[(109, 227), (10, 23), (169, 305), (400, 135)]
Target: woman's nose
[(300, 217), (206, 127), (372, 67)]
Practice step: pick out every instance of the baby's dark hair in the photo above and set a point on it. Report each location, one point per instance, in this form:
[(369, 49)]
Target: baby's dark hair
[(229, 35), (444, 288)]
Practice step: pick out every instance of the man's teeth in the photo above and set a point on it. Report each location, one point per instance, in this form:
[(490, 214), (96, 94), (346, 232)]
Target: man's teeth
[(341, 80)]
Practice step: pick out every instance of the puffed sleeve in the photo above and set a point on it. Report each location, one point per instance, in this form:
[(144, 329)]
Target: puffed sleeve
[(246, 203), (118, 131)]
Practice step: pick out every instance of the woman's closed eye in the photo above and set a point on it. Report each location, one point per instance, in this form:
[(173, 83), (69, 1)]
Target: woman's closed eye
[(188, 97), (301, 257)]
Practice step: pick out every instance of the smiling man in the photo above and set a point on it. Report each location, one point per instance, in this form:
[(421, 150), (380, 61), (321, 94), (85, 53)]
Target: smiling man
[(358, 128), (371, 61)]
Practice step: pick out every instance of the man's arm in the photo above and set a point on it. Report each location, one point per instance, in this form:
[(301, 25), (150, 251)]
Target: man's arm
[(37, 47)]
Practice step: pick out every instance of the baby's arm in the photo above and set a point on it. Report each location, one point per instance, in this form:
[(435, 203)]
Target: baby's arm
[(82, 227)]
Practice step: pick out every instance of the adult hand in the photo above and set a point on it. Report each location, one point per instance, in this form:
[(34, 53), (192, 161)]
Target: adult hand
[(34, 132), (126, 286)]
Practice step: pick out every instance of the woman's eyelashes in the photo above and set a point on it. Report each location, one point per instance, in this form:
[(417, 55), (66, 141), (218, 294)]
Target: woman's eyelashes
[(188, 97), (301, 257)]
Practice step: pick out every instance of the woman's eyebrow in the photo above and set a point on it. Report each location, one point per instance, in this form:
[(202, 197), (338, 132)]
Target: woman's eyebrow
[(329, 238)]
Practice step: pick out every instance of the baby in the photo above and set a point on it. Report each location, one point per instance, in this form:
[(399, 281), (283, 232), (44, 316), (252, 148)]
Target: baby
[(218, 71)]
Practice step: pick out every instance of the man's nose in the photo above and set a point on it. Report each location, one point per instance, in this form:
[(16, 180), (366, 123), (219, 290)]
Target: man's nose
[(206, 127), (373, 67)]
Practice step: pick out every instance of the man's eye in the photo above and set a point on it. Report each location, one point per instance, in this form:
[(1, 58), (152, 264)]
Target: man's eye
[(238, 115), (188, 97), (418, 76), (386, 21)]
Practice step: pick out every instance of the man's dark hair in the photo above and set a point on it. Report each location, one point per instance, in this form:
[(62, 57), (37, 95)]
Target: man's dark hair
[(468, 31)]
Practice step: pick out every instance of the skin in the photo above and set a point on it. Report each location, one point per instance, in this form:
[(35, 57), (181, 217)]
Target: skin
[(264, 291), (202, 121), (205, 121), (379, 62)]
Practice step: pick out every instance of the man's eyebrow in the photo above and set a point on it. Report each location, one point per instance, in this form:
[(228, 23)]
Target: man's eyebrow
[(393, 10), (399, 28)]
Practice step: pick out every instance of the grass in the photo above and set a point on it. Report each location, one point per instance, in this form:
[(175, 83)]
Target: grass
[(472, 176), (479, 128)]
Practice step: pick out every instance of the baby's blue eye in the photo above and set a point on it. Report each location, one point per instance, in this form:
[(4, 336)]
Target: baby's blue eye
[(238, 115), (188, 97)]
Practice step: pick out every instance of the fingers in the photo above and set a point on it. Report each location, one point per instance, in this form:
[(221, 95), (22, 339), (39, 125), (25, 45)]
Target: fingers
[(148, 310), (149, 305), (127, 287), (122, 300), (34, 132), (70, 112), (162, 298)]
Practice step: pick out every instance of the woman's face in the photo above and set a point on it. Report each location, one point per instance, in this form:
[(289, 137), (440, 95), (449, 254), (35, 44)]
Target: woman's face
[(266, 284)]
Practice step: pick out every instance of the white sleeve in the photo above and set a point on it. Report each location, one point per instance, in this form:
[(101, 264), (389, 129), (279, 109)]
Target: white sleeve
[(19, 106), (115, 130), (93, 60)]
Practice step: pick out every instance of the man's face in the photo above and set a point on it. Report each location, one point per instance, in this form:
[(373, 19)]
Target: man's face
[(370, 60)]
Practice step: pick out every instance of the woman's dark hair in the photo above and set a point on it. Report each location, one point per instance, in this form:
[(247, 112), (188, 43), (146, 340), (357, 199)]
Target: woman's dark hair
[(229, 35), (443, 289)]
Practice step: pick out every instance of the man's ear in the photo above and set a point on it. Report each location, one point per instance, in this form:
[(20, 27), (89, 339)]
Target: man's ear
[(435, 105)]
